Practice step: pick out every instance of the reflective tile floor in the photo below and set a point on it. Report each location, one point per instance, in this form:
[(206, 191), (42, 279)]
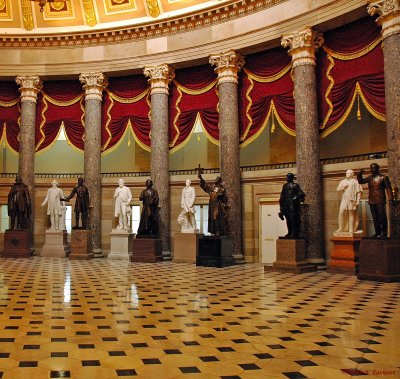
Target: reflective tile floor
[(102, 319)]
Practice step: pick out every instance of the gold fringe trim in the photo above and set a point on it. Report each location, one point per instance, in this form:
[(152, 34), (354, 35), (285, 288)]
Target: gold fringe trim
[(268, 79), (9, 104), (196, 91), (355, 55), (328, 90), (129, 100)]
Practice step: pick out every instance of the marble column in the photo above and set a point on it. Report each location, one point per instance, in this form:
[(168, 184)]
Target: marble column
[(228, 64), (303, 45), (160, 77), (389, 12), (94, 85), (29, 86)]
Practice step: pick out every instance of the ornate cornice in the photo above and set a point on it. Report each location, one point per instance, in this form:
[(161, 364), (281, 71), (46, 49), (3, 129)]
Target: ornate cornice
[(159, 77), (228, 64), (389, 15), (94, 83), (188, 22), (29, 86), (302, 46)]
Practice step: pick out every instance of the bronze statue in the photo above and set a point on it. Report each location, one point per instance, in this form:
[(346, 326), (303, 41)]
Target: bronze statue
[(378, 186), (217, 206), (82, 204), (148, 225), (19, 205), (289, 203)]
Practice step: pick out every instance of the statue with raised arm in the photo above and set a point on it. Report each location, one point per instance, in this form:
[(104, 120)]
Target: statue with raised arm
[(289, 203), (187, 218), (379, 188), (217, 205), (122, 209), (55, 206), (82, 204), (148, 225), (351, 192), (19, 205)]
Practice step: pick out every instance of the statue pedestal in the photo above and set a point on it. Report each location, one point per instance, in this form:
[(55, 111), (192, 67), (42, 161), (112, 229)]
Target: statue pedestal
[(148, 250), (81, 245), (121, 244), (214, 251), (379, 259), (185, 247), (344, 256), (55, 244), (17, 244), (291, 257)]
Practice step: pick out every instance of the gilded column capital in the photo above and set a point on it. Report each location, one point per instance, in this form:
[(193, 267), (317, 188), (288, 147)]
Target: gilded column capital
[(302, 46), (94, 83), (29, 86), (159, 77), (228, 64), (389, 15)]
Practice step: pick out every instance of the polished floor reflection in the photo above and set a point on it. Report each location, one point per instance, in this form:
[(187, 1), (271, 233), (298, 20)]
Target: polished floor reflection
[(102, 319)]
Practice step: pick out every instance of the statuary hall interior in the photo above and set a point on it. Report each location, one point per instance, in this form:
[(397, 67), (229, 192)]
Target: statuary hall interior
[(199, 189)]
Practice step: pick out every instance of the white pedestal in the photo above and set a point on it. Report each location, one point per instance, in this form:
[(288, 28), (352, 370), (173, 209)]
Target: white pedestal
[(185, 247), (121, 244), (55, 244)]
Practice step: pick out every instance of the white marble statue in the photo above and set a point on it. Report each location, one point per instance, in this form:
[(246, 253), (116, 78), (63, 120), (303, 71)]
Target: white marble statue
[(56, 208), (123, 197), (187, 218), (351, 194)]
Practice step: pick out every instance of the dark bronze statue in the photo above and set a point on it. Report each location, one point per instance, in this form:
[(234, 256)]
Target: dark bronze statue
[(148, 225), (217, 206), (379, 187), (289, 203), (82, 204), (19, 205)]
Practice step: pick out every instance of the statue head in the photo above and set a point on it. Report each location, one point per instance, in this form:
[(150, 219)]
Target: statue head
[(121, 183), (18, 179), (374, 168), (54, 183), (349, 174), (218, 181), (188, 182), (290, 177), (149, 183), (80, 181)]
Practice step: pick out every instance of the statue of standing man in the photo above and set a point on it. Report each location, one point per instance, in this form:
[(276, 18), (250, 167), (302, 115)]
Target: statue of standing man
[(148, 225), (187, 218), (122, 210), (82, 204), (55, 206), (19, 205)]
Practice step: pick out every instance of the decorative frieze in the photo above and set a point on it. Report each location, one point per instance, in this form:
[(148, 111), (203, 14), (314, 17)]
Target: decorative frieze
[(389, 12), (228, 64), (159, 77), (302, 46), (94, 84), (29, 86)]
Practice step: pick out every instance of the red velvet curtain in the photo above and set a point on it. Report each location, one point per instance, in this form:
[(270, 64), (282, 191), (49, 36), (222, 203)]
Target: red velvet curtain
[(60, 102), (126, 104), (193, 94), (9, 113), (265, 91), (350, 70)]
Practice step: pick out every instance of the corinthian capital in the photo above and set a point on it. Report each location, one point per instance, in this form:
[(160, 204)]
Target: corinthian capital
[(159, 77), (389, 15), (302, 46), (94, 83), (228, 65), (29, 86)]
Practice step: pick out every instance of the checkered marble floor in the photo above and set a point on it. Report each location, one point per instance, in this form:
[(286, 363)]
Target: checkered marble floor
[(102, 319)]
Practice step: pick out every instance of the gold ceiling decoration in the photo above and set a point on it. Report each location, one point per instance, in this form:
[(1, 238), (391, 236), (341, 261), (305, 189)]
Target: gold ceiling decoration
[(90, 13), (154, 9), (55, 4)]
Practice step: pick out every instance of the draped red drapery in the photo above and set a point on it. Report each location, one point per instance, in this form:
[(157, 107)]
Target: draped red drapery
[(349, 70), (193, 94), (126, 104), (265, 91), (9, 114)]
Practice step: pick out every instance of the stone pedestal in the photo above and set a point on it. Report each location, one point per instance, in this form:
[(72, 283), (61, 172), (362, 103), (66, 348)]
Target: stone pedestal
[(147, 250), (55, 244), (291, 257), (214, 251), (121, 244), (344, 256), (81, 245), (185, 247), (379, 259), (17, 244)]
